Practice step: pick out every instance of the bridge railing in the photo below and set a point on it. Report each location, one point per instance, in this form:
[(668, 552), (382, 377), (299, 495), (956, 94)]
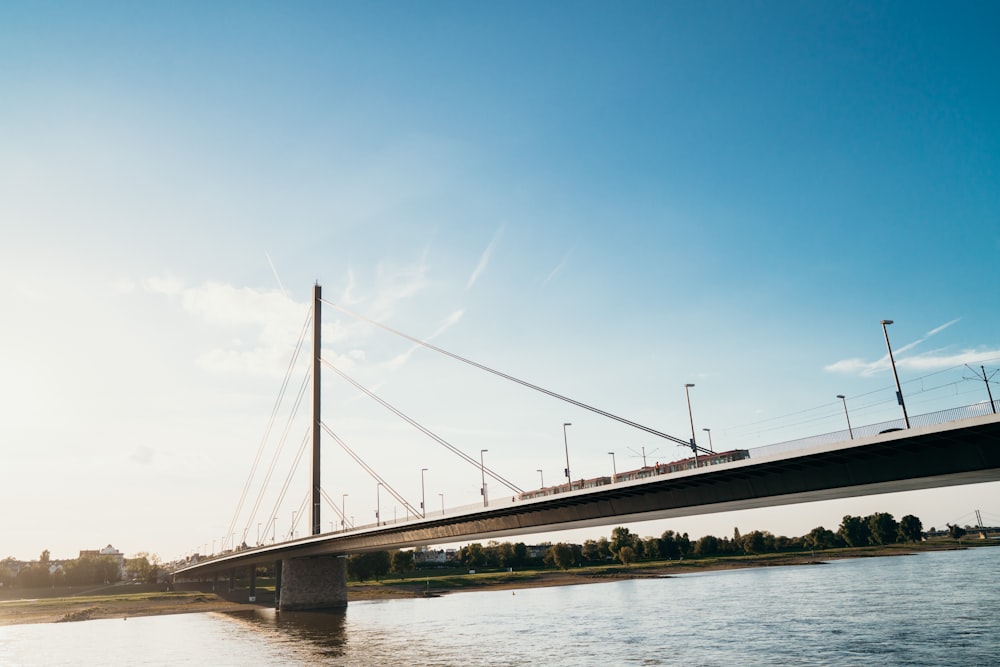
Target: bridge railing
[(868, 430)]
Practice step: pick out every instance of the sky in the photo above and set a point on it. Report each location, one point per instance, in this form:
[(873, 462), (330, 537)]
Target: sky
[(609, 200)]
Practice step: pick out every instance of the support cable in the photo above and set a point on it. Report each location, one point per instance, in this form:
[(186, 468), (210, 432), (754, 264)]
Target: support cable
[(298, 515), (277, 452), (288, 479), (367, 468), (336, 510), (270, 424), (420, 427), (505, 376)]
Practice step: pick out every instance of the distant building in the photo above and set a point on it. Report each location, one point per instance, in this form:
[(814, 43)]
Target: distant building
[(108, 551)]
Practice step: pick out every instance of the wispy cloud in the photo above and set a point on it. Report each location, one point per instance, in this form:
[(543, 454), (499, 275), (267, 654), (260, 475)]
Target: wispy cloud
[(484, 259), (399, 360), (559, 267), (928, 361)]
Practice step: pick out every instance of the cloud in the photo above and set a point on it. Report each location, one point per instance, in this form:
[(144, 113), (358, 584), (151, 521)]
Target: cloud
[(559, 267), (399, 360), (396, 283), (262, 325), (928, 361), (268, 319), (484, 259)]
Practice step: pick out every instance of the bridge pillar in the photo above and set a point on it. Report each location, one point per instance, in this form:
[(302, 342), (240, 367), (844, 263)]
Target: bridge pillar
[(277, 585), (232, 580), (313, 583), (253, 583)]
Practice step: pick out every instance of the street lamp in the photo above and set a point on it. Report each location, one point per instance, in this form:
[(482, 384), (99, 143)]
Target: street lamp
[(291, 531), (614, 468), (378, 502), (541, 478), (694, 445), (709, 431), (442, 503), (482, 471), (343, 511), (423, 510), (849, 430), (899, 390), (569, 480)]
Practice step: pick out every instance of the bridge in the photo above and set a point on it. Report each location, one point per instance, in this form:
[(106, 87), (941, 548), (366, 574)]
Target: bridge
[(311, 571)]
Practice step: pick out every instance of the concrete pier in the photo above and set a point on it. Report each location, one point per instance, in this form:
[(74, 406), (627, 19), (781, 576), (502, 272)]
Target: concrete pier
[(319, 582)]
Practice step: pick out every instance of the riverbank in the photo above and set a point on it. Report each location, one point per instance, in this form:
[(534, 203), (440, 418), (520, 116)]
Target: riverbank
[(131, 601)]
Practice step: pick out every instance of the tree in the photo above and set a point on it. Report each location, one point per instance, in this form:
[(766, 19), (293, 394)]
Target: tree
[(44, 557), (757, 542), (520, 554), (820, 538), (910, 529), (854, 531), (590, 551), (669, 546), (707, 545), (651, 548), (626, 555), (472, 555), (561, 555), (402, 562), (882, 528), (955, 532), (367, 565), (622, 537)]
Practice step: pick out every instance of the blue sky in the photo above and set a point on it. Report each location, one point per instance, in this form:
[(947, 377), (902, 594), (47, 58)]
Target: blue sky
[(607, 200)]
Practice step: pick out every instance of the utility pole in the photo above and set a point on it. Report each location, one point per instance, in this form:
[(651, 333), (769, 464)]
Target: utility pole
[(985, 379)]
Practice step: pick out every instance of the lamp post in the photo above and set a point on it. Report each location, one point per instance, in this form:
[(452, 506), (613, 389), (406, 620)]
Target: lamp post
[(899, 390), (709, 431), (694, 445), (343, 511), (482, 471), (849, 430), (291, 531), (614, 468), (378, 503), (442, 503), (259, 524), (541, 478), (423, 510), (569, 480), (274, 527)]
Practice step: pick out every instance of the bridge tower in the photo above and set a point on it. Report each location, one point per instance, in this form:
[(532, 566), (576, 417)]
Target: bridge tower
[(317, 324)]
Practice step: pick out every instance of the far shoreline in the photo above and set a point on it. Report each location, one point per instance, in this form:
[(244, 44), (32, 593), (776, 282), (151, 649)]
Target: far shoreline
[(41, 606)]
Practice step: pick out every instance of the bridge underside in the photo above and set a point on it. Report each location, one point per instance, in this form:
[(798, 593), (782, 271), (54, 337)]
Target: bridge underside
[(967, 453)]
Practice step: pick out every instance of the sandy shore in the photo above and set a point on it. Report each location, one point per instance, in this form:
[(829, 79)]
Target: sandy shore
[(125, 602)]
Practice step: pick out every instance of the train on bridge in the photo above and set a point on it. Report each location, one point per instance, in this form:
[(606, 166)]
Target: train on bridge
[(641, 473)]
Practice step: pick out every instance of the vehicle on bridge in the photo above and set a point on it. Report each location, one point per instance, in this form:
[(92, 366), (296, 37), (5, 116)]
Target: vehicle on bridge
[(641, 473)]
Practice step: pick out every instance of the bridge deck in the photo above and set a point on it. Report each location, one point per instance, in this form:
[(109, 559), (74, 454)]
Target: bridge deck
[(960, 452)]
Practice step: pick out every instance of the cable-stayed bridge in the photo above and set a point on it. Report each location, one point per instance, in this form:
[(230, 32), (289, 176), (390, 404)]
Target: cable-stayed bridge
[(962, 447)]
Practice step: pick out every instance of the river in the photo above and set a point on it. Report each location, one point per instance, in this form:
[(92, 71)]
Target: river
[(936, 608)]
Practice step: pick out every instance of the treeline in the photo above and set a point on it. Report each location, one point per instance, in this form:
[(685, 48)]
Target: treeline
[(83, 571), (626, 547)]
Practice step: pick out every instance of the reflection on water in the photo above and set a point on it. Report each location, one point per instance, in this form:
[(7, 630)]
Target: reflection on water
[(326, 631)]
